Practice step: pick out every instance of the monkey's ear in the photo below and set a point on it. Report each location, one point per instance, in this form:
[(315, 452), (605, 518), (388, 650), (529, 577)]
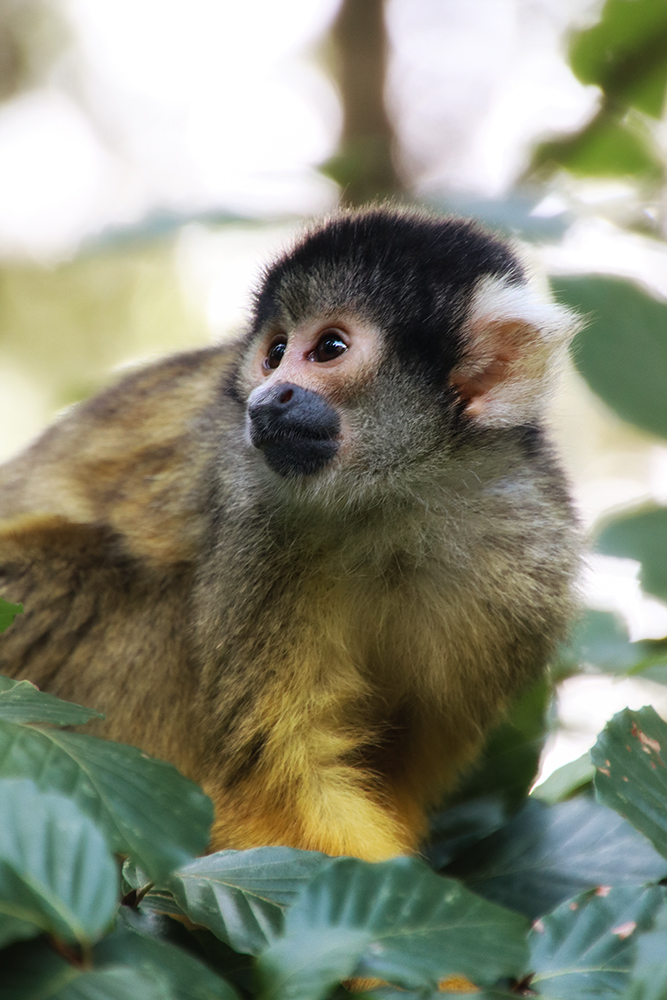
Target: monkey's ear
[(513, 344)]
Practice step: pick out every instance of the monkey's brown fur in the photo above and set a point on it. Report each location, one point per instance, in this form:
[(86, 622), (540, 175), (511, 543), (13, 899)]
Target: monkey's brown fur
[(324, 652)]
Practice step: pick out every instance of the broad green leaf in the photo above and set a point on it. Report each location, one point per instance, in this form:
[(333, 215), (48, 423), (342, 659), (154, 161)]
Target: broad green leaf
[(457, 988), (631, 775), (640, 535), (8, 613), (240, 895), (511, 757), (607, 147), (585, 948), (36, 972), (649, 973), (396, 921), (546, 854), (21, 701), (568, 779), (601, 641), (134, 877), (233, 967), (625, 53), (161, 901), (56, 872), (144, 806), (309, 967), (457, 828), (622, 352), (188, 977), (115, 984), (136, 881), (494, 994), (127, 966), (654, 666)]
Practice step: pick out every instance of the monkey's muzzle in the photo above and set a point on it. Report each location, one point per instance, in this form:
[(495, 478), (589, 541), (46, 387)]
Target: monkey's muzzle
[(295, 428)]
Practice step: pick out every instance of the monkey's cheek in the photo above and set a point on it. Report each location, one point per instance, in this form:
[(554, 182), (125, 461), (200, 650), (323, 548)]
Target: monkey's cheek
[(296, 456)]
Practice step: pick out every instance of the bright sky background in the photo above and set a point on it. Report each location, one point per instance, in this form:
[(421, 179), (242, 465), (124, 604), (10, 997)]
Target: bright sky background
[(215, 103)]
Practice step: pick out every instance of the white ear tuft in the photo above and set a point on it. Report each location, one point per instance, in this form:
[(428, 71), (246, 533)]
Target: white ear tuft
[(514, 341)]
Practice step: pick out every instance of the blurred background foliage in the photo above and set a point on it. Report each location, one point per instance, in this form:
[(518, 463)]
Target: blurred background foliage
[(153, 156)]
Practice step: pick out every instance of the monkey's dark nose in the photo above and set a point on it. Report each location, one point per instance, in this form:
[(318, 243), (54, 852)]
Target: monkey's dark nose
[(295, 428)]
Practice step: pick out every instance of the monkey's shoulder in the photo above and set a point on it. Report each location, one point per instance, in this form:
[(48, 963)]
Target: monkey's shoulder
[(131, 460)]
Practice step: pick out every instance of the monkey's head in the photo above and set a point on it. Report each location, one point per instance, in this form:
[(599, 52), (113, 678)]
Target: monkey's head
[(386, 335)]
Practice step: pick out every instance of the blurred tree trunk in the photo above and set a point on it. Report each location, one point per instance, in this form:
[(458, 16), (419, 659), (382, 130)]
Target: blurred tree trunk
[(33, 33), (363, 165)]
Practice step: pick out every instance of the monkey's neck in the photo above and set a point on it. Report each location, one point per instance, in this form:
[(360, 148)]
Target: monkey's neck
[(454, 531)]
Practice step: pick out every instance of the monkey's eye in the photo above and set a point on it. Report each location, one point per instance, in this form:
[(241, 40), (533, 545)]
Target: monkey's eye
[(275, 355), (329, 346)]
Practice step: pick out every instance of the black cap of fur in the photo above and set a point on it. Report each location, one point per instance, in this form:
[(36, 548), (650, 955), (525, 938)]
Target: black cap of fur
[(410, 272)]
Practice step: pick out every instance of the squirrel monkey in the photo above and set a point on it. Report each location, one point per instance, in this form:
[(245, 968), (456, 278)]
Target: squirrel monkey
[(310, 568)]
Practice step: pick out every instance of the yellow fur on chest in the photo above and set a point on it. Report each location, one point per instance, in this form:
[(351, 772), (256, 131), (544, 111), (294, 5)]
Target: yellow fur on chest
[(353, 751), (383, 641)]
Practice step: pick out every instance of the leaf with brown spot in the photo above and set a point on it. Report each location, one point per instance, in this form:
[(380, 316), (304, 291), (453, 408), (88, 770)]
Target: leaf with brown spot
[(634, 780), (587, 950)]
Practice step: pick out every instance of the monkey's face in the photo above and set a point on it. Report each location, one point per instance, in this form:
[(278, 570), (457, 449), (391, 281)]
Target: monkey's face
[(300, 380), (380, 344)]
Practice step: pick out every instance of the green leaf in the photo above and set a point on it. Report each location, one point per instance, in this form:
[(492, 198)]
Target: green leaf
[(161, 901), (585, 948), (8, 613), (601, 641), (188, 977), (457, 828), (631, 773), (115, 984), (56, 872), (458, 988), (622, 352), (395, 921), (607, 147), (566, 781), (144, 806), (128, 965), (511, 757), (308, 968), (151, 898), (36, 972), (241, 895), (21, 701), (601, 644), (640, 535), (649, 974), (547, 854), (133, 877), (654, 666), (625, 53), (196, 941)]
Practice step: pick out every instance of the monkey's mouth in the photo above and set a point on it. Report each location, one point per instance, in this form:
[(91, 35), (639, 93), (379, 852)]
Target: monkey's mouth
[(293, 453)]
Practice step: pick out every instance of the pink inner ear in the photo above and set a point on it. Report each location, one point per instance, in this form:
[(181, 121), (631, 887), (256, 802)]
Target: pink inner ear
[(472, 386), (492, 351)]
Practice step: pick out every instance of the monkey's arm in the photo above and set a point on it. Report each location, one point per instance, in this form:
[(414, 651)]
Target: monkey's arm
[(99, 522)]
